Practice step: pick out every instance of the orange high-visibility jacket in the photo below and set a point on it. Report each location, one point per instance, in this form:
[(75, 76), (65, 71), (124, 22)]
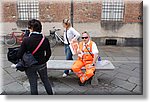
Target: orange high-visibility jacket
[(86, 51)]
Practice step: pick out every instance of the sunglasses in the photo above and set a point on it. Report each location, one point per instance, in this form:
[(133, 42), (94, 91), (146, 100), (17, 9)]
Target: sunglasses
[(84, 37)]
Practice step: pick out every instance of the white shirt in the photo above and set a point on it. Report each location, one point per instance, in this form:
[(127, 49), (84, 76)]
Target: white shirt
[(94, 47), (71, 34)]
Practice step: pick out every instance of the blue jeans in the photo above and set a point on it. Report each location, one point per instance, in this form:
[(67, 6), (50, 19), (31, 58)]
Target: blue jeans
[(33, 76), (68, 54)]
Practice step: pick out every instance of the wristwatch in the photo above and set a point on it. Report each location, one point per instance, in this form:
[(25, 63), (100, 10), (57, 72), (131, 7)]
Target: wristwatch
[(93, 64)]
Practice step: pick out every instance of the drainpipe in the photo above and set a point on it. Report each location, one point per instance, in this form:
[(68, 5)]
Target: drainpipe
[(71, 12)]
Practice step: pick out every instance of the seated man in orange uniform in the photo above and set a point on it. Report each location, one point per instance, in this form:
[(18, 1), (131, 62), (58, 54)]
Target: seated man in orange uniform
[(87, 57)]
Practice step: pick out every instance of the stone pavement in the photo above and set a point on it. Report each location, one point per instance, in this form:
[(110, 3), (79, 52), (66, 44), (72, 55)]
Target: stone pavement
[(126, 79)]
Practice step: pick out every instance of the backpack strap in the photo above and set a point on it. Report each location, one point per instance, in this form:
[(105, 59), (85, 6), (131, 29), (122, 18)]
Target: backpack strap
[(38, 45), (67, 38), (88, 51)]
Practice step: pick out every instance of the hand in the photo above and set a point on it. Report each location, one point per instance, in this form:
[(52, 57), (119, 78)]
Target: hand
[(13, 66), (91, 66), (80, 54), (73, 40)]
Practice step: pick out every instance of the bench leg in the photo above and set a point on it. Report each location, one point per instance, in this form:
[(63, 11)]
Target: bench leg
[(94, 81)]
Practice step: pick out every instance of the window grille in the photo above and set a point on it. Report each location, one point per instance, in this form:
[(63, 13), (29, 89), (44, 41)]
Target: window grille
[(28, 9), (112, 10)]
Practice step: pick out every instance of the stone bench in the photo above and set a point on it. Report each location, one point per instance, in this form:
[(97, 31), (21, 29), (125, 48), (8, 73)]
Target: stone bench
[(67, 64)]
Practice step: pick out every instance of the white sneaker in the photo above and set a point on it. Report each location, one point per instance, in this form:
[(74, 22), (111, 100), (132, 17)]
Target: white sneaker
[(64, 75)]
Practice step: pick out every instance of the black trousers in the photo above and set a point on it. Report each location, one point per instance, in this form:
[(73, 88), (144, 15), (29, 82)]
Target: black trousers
[(32, 74)]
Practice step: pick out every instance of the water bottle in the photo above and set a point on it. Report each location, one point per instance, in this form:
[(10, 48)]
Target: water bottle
[(99, 58)]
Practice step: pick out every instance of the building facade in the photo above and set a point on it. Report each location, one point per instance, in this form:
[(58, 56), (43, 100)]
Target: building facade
[(117, 22)]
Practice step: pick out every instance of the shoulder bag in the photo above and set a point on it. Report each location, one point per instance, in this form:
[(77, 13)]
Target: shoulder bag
[(28, 59)]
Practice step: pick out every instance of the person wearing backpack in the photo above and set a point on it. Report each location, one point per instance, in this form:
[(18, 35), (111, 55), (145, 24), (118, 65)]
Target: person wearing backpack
[(42, 55)]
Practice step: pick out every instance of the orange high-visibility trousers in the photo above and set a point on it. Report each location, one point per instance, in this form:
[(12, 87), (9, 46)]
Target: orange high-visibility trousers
[(78, 64)]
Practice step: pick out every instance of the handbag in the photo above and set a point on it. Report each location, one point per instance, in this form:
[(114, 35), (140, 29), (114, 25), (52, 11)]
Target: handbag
[(28, 59), (11, 55)]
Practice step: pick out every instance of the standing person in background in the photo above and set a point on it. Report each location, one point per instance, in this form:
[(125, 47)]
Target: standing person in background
[(42, 55), (70, 35)]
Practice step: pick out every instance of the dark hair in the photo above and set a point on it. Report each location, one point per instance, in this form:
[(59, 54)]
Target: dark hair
[(35, 25)]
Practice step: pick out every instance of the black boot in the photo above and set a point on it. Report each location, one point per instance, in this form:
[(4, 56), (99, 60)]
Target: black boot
[(87, 81), (80, 83), (90, 79)]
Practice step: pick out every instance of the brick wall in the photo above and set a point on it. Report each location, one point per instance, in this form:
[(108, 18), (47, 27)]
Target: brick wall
[(83, 11), (9, 11), (54, 12), (133, 11), (87, 11)]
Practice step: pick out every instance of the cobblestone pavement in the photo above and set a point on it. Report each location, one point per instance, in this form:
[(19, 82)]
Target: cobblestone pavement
[(126, 79)]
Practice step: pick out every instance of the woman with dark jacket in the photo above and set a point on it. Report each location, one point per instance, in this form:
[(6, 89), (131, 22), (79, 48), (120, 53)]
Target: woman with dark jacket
[(42, 55)]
